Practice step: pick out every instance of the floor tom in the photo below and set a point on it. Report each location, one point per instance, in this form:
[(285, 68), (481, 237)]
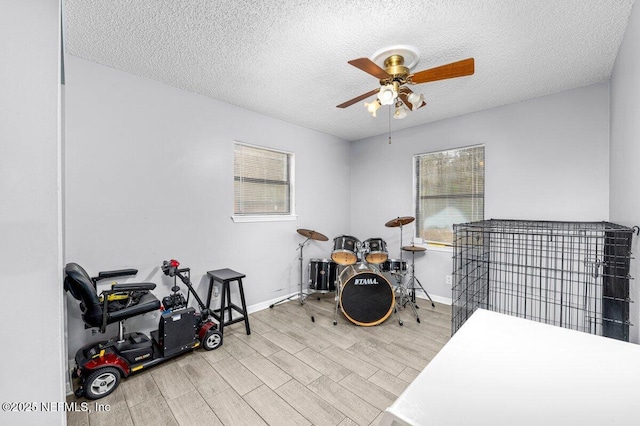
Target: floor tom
[(322, 275)]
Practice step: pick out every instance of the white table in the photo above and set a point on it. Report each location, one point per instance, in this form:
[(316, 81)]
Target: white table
[(500, 370)]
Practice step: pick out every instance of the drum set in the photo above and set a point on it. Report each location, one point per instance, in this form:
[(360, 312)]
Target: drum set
[(367, 283)]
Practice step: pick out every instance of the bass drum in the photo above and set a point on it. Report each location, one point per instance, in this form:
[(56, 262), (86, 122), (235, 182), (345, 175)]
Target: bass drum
[(366, 297)]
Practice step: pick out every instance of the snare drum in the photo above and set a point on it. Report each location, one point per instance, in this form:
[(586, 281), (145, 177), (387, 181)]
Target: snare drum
[(366, 297), (377, 250), (322, 275), (395, 266), (345, 250)]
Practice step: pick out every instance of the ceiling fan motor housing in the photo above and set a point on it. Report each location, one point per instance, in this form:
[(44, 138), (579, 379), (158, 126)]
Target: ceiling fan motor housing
[(394, 66)]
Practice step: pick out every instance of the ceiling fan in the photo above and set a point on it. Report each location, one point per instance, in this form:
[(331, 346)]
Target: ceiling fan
[(396, 75)]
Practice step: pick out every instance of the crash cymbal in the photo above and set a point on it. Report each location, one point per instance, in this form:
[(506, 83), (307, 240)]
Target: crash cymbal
[(399, 221), (312, 234), (413, 248)]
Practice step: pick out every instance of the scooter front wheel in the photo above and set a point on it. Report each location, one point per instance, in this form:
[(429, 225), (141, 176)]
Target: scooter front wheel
[(101, 382), (212, 340)]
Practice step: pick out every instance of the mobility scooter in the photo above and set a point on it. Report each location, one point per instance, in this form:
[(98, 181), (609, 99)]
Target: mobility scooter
[(99, 366)]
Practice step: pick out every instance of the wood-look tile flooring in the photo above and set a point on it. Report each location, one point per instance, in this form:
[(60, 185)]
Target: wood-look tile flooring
[(289, 371)]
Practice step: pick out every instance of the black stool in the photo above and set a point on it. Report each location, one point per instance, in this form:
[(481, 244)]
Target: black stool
[(225, 276)]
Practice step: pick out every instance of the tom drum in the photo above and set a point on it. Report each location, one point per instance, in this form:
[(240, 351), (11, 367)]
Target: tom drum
[(396, 266), (376, 250), (345, 250)]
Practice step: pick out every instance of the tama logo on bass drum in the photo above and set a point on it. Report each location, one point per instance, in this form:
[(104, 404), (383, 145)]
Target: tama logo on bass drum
[(366, 281)]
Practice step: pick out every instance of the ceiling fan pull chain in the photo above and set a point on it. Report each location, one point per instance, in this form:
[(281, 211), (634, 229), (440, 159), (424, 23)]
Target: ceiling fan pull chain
[(389, 125)]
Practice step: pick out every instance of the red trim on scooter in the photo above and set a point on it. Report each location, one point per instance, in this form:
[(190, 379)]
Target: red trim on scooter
[(109, 359), (206, 326)]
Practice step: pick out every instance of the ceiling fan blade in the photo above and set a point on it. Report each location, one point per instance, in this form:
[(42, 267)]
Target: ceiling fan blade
[(452, 70), (368, 66), (358, 99), (403, 96)]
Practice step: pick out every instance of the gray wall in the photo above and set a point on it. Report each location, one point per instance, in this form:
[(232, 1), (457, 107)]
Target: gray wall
[(149, 172), (546, 159), (32, 361), (625, 148)]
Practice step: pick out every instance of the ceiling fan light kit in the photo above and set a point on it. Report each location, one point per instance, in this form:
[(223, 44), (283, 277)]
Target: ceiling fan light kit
[(401, 111), (396, 75), (388, 94), (416, 100), (372, 107)]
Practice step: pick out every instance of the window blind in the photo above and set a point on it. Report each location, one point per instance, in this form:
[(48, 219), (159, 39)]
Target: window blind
[(262, 181), (449, 189)]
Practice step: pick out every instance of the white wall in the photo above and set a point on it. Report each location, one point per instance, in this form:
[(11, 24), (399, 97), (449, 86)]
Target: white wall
[(625, 148), (149, 177), (546, 159), (32, 357)]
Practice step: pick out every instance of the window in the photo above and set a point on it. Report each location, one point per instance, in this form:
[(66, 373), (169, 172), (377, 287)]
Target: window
[(449, 188), (262, 182)]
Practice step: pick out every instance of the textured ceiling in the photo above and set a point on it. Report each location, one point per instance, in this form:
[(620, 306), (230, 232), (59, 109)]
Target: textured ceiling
[(288, 58)]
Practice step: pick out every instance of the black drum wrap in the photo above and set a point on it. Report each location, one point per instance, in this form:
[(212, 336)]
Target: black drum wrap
[(377, 250), (394, 265), (366, 298), (345, 248), (322, 275)]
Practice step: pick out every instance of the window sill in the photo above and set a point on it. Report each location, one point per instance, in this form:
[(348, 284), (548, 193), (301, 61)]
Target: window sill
[(439, 247), (265, 218)]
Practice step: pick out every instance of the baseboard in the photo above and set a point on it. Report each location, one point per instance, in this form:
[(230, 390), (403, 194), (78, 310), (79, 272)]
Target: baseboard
[(435, 298), (264, 305)]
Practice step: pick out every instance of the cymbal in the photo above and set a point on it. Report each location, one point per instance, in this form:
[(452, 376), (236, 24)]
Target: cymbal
[(399, 221), (413, 248), (312, 234)]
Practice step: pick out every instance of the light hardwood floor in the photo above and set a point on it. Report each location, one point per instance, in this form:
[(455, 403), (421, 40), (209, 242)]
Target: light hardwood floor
[(289, 371)]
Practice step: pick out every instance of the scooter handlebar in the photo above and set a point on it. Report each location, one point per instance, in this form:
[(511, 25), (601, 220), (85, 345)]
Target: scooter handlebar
[(169, 267)]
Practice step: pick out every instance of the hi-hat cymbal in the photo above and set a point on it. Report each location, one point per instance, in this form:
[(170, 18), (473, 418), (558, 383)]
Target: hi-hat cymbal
[(413, 248), (399, 221), (312, 234)]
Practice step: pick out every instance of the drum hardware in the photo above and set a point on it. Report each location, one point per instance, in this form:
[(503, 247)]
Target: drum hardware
[(310, 235), (412, 278), (404, 294), (397, 268)]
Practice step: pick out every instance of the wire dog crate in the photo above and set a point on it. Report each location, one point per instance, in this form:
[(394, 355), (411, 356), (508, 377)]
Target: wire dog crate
[(569, 274)]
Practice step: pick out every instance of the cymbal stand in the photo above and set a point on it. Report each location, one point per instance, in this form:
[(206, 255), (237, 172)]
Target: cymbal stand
[(413, 280), (404, 297), (301, 294), (401, 241)]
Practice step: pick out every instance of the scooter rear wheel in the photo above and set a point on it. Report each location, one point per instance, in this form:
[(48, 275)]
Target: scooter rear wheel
[(212, 340), (101, 382)]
